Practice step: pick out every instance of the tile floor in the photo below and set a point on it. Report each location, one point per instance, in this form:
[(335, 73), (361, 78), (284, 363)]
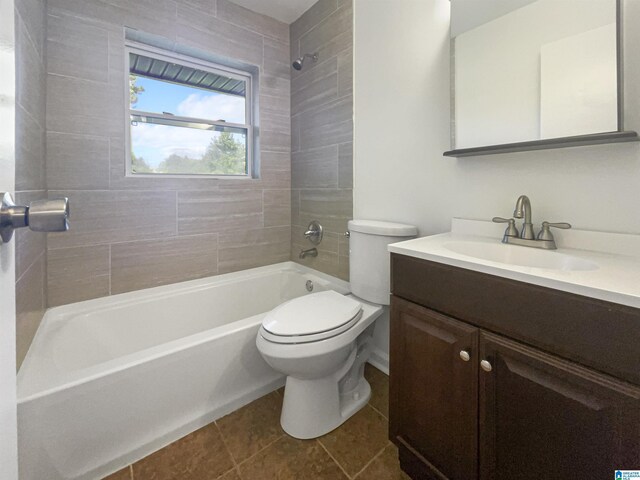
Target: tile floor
[(249, 444)]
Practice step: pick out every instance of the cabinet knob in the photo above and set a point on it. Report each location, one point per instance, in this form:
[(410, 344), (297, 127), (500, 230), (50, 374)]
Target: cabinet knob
[(464, 355), (486, 366)]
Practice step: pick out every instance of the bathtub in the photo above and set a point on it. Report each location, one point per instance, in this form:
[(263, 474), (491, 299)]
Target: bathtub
[(110, 380)]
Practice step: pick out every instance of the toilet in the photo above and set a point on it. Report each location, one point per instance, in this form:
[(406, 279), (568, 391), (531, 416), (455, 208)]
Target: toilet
[(321, 341)]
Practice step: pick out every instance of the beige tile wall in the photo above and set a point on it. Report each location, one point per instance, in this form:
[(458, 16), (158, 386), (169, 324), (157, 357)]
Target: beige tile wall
[(322, 133), (30, 20), (133, 233)]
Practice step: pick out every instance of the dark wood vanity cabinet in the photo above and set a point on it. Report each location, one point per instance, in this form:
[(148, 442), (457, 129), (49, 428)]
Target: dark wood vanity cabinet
[(471, 403), (434, 406), (543, 417)]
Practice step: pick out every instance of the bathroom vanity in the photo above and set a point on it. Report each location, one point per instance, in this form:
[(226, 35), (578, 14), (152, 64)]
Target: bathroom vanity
[(502, 370)]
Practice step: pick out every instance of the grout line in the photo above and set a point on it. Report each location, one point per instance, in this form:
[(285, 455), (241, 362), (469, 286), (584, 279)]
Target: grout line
[(333, 458), (26, 270), (316, 24), (60, 75), (372, 460), (109, 162), (177, 215), (224, 442), (89, 135), (33, 118), (260, 451), (217, 254), (131, 471), (378, 411), (110, 269), (40, 53), (37, 190), (224, 473)]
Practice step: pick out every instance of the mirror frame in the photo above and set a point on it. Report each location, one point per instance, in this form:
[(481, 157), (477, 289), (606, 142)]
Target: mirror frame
[(620, 135)]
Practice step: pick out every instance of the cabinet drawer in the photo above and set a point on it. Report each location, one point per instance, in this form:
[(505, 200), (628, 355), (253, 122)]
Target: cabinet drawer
[(598, 334)]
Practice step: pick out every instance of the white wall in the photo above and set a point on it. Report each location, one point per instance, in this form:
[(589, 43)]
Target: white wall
[(401, 47), (469, 14), (401, 104)]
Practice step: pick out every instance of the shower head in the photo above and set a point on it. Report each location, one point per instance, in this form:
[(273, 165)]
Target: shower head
[(298, 62)]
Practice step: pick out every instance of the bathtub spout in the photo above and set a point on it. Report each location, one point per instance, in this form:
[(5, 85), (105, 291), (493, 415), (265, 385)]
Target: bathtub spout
[(311, 252)]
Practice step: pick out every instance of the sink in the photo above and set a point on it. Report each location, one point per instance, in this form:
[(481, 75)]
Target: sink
[(520, 256), (600, 265)]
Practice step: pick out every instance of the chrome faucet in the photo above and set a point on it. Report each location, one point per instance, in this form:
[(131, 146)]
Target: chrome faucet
[(523, 209), (526, 237)]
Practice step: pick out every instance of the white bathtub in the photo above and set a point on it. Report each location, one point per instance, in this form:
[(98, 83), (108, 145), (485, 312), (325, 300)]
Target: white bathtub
[(110, 380)]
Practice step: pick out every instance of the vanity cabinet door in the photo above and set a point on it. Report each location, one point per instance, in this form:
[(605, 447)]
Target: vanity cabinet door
[(545, 418), (434, 393)]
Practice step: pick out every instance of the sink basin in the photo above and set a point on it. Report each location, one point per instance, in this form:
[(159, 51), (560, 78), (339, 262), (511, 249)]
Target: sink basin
[(520, 256)]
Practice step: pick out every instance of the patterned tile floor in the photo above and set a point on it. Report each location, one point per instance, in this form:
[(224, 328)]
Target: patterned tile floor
[(249, 444)]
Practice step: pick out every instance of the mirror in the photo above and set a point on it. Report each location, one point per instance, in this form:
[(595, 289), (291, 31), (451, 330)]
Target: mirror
[(534, 71)]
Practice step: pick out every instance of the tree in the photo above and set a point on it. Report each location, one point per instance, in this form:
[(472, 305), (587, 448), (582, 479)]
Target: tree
[(139, 165), (134, 90), (225, 155), (175, 163)]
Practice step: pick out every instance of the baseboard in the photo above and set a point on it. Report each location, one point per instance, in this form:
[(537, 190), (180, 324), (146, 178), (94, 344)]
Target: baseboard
[(163, 440), (379, 359)]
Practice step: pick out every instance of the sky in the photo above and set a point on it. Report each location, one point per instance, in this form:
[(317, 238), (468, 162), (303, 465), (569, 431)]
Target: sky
[(156, 142)]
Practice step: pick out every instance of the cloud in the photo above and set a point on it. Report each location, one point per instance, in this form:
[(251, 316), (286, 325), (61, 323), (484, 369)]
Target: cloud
[(213, 107), (156, 142)]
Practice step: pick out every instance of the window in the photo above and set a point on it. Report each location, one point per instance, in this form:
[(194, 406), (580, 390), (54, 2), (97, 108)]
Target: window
[(187, 117)]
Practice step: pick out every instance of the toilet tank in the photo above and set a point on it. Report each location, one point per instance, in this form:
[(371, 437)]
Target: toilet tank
[(369, 269)]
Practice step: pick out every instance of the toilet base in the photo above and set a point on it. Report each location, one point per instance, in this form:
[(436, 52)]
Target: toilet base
[(312, 408)]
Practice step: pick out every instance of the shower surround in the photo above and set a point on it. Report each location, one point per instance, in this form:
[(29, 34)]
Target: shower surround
[(31, 268), (322, 133), (131, 233)]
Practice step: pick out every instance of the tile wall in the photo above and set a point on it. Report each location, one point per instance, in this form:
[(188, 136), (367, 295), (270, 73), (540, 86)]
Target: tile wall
[(322, 133), (31, 267), (133, 233)]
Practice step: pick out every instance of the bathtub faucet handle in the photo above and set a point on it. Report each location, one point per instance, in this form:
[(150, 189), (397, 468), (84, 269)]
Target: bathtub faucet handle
[(314, 232)]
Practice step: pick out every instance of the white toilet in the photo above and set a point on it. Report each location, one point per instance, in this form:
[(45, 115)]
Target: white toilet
[(321, 341)]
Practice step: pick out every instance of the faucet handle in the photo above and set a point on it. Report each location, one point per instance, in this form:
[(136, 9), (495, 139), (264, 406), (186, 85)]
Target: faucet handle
[(563, 225), (545, 231), (314, 232), (511, 230)]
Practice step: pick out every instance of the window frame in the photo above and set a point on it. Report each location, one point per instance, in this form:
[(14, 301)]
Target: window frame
[(187, 61)]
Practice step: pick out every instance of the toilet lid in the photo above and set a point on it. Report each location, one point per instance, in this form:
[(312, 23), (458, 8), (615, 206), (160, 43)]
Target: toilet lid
[(312, 314)]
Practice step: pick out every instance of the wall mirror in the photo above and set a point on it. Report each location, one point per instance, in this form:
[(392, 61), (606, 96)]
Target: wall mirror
[(532, 74)]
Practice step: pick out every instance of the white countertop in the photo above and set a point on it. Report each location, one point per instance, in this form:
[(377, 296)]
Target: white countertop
[(617, 278)]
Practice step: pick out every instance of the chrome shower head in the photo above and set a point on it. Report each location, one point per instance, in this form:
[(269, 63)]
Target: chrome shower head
[(299, 62)]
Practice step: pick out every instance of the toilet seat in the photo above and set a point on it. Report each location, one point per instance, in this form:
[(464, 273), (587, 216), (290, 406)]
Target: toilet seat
[(311, 318)]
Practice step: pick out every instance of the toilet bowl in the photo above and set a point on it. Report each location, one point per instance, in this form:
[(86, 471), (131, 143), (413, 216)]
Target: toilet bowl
[(323, 360), (321, 341)]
